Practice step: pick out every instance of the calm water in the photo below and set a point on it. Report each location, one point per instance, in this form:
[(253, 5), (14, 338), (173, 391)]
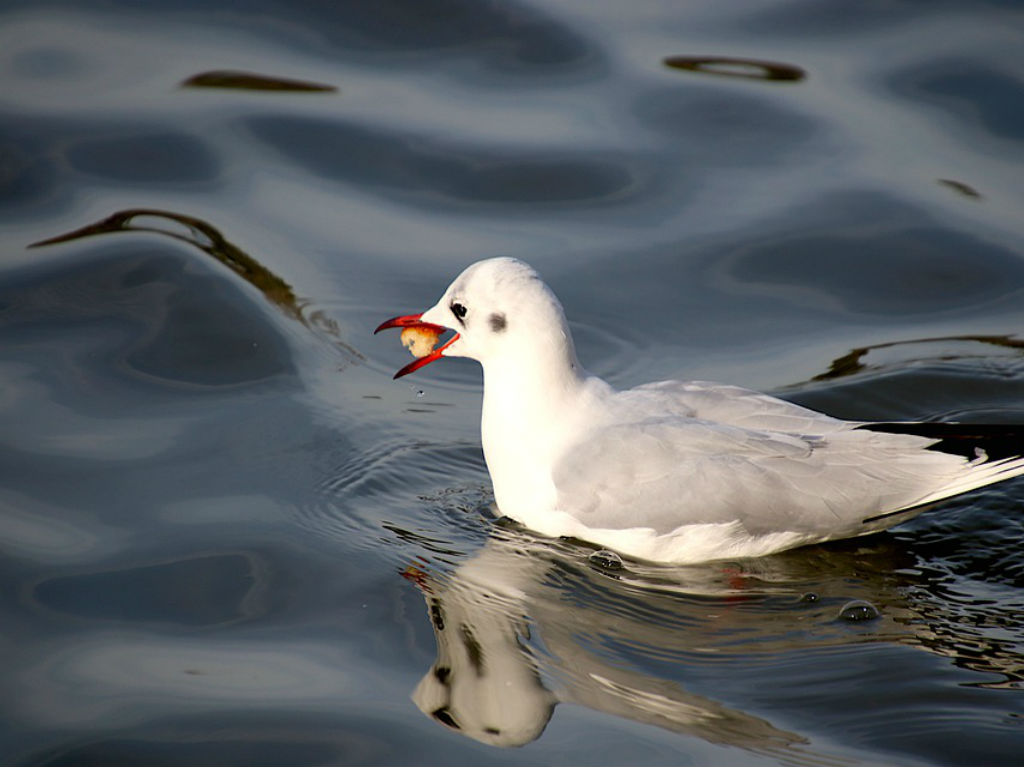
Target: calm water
[(228, 537)]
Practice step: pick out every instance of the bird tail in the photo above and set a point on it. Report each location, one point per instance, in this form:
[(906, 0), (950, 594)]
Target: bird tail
[(994, 452)]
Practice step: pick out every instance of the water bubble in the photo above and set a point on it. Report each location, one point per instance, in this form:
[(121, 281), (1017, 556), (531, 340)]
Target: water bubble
[(810, 597), (858, 610), (606, 559)]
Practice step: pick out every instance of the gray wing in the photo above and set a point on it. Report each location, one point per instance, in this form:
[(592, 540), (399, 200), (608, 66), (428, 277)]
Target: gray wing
[(732, 405), (670, 464)]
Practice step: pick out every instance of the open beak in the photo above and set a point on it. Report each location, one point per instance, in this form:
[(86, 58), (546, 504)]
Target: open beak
[(413, 321)]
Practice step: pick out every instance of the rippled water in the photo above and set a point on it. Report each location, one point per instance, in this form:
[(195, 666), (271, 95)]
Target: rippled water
[(228, 537)]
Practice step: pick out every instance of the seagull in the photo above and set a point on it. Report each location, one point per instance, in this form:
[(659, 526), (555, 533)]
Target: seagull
[(679, 472)]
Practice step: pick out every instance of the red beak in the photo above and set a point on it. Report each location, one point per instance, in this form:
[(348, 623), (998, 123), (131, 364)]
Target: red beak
[(413, 321)]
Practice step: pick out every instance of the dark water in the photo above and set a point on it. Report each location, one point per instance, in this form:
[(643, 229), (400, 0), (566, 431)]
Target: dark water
[(227, 537)]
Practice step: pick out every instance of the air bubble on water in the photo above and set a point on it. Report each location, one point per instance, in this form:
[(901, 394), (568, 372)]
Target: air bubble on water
[(858, 610), (809, 597), (606, 559)]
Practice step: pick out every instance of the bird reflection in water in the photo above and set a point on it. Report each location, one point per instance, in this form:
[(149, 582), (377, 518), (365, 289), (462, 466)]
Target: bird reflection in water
[(527, 624), (518, 628)]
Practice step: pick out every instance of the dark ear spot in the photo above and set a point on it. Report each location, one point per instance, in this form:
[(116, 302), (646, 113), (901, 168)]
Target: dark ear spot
[(498, 322)]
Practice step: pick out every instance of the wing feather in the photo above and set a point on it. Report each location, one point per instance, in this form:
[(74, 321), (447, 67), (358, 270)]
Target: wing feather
[(695, 453)]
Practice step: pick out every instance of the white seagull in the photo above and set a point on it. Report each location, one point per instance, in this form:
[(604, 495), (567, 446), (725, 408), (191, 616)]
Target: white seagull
[(679, 471)]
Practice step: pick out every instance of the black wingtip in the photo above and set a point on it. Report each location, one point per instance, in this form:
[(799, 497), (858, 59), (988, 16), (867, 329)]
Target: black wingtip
[(995, 441)]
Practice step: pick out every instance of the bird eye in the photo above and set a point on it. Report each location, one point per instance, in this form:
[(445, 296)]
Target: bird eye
[(459, 310)]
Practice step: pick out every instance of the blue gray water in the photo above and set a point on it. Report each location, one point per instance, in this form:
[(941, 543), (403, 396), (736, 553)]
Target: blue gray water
[(228, 537)]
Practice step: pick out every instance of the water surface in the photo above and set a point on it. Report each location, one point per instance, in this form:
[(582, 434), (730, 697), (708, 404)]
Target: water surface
[(228, 537)]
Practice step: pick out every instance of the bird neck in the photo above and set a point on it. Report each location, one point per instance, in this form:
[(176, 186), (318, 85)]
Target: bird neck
[(530, 402), (533, 386)]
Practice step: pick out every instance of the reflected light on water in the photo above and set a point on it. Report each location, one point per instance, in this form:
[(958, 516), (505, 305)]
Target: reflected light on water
[(747, 69), (966, 347), (136, 677)]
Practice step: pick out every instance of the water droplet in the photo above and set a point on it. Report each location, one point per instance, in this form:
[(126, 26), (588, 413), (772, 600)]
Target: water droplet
[(809, 597), (609, 560), (858, 610)]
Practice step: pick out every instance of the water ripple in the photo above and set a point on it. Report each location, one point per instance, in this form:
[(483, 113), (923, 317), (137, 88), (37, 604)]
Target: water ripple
[(427, 170)]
